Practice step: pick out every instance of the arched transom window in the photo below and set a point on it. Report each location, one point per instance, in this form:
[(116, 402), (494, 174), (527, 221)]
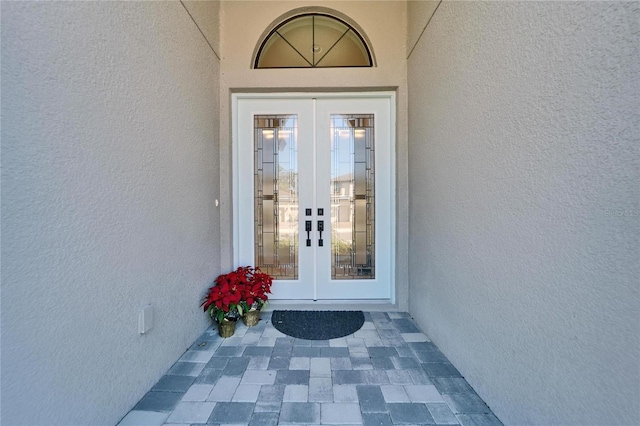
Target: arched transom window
[(313, 40)]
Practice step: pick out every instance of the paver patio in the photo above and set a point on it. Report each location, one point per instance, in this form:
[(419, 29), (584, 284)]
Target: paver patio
[(386, 373)]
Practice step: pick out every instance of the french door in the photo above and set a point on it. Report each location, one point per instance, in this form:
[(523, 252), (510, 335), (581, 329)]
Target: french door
[(313, 193)]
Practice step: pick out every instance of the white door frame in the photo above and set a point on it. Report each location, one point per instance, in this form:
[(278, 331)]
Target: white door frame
[(307, 96)]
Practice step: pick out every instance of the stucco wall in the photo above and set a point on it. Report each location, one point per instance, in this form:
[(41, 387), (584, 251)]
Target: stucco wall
[(524, 207), (109, 177), (384, 22)]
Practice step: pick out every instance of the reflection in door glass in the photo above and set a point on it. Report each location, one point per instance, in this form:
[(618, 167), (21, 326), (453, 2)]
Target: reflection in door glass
[(276, 195), (352, 197)]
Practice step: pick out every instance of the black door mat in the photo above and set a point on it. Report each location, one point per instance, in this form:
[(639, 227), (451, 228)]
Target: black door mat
[(317, 325)]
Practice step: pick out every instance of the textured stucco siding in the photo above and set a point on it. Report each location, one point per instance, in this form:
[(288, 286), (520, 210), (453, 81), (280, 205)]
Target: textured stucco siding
[(524, 207), (110, 173)]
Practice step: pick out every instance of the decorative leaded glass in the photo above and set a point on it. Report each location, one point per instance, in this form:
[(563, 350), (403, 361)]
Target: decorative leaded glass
[(352, 197), (313, 41), (276, 195)]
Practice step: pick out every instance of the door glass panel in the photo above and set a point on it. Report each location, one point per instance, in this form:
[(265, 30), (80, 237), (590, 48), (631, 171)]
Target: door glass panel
[(352, 197), (276, 195)]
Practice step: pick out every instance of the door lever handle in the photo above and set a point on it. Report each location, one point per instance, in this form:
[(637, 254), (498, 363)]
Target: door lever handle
[(308, 226), (320, 229)]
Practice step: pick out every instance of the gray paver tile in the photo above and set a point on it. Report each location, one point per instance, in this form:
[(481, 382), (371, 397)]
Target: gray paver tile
[(415, 337), (341, 363), (448, 385), (258, 377), (334, 352), (206, 343), (376, 419), (382, 363), (197, 393), (236, 367), (382, 352), (300, 363), (279, 362), (300, 413), (366, 334), (319, 343), (419, 377), (371, 399), (173, 384), (143, 418), (258, 363), (250, 339), (191, 412), (399, 377), (272, 332), (292, 377), (405, 351), (246, 393), (158, 401), (340, 413), (320, 367), (423, 393), (320, 389), (466, 403), (405, 363), (218, 362), (355, 342), (358, 352), (197, 356), (257, 351), (376, 377), (431, 356), (264, 419), (349, 377), (442, 414), (186, 369), (267, 341), (411, 413), (406, 325), (232, 412), (340, 342), (296, 393), (363, 363), (271, 393), (305, 351), (208, 376), (345, 393), (224, 389), (229, 351), (479, 420), (394, 393), (434, 369)]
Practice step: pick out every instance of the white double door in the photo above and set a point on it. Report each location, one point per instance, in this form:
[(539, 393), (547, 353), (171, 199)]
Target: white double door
[(313, 193)]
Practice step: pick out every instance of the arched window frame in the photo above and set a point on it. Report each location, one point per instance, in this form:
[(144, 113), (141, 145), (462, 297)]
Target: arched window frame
[(317, 11)]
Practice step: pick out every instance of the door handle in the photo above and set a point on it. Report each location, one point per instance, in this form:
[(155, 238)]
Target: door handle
[(308, 226), (320, 229)]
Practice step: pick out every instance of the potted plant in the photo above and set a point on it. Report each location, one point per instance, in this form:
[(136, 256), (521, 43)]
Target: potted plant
[(241, 293), (222, 302), (257, 286)]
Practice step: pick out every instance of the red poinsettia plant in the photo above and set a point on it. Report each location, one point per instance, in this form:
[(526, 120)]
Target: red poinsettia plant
[(236, 292)]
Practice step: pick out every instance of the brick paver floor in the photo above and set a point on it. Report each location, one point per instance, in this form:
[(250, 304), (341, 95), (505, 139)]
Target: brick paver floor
[(386, 373)]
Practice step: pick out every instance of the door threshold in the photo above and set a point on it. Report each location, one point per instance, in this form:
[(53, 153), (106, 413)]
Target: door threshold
[(332, 305)]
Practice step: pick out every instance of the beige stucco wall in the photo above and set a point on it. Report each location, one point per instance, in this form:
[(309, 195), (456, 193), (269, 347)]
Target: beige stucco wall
[(525, 203), (109, 179), (384, 23)]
